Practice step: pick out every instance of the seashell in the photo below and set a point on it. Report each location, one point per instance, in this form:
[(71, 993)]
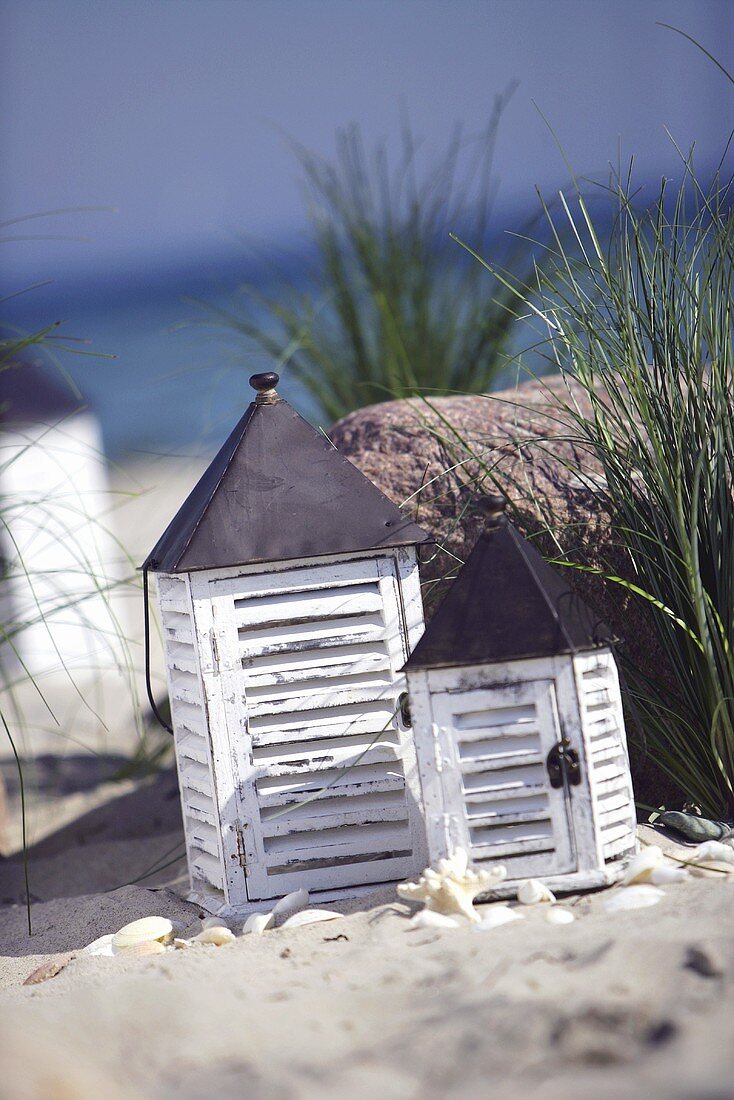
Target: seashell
[(257, 923), (180, 943), (145, 947), (713, 850), (452, 888), (217, 935), (100, 946), (213, 922), (310, 916), (534, 891), (428, 918), (633, 897), (496, 917), (558, 915), (49, 969), (642, 865), (665, 874), (291, 903), (140, 931)]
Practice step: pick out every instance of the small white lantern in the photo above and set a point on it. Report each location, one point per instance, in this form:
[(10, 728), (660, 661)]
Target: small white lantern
[(518, 724), (289, 599)]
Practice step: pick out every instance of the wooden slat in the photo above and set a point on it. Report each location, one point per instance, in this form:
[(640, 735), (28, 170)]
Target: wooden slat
[(616, 848), (200, 808), (608, 773), (329, 661), (188, 716), (523, 801), (317, 756), (203, 836), (301, 579), (193, 747), (349, 874), (176, 602), (325, 722), (613, 833), (196, 776), (288, 824), (512, 835), (496, 733), (320, 696), (206, 867), (496, 763), (385, 838), (181, 656), (479, 820), (511, 848), (309, 636), (348, 785), (308, 606)]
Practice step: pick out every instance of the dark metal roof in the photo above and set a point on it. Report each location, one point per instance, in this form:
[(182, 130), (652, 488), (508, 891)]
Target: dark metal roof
[(278, 490), (507, 603)]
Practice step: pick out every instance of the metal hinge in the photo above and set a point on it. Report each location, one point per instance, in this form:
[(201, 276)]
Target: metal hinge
[(215, 652), (563, 765), (241, 855)]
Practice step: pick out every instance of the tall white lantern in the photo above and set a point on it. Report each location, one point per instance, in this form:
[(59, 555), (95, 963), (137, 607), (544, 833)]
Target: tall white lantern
[(289, 599), (518, 724)]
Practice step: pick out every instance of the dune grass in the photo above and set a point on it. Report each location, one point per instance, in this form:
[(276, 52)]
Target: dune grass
[(643, 322), (388, 311)]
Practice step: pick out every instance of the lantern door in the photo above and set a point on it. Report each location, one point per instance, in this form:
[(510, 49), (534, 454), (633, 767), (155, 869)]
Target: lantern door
[(492, 748), (324, 787)]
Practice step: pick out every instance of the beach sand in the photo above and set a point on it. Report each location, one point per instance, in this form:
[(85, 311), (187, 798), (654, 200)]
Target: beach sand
[(640, 1004)]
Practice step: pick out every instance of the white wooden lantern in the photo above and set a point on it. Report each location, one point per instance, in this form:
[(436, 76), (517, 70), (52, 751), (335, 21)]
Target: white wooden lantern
[(289, 598), (518, 725)]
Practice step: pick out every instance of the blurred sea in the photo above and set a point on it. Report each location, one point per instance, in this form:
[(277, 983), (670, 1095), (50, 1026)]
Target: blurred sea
[(179, 379)]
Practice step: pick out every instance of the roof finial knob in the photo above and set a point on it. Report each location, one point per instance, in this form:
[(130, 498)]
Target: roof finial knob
[(492, 506), (264, 385)]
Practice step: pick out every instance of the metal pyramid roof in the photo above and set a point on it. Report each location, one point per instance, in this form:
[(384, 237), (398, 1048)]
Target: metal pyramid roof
[(507, 603), (278, 490)]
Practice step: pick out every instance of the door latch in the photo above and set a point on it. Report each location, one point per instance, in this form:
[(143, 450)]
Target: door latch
[(563, 763)]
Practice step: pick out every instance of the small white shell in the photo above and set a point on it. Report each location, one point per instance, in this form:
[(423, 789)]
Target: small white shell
[(291, 903), (145, 947), (140, 931), (633, 897), (257, 923), (213, 922), (100, 946), (534, 891), (497, 916), (664, 874), (713, 850), (180, 943), (310, 916), (428, 918), (217, 935), (558, 915), (642, 865)]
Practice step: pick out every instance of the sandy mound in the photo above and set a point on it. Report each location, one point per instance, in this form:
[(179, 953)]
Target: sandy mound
[(640, 1004)]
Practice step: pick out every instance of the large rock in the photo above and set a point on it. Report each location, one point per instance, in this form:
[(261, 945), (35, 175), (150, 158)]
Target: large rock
[(441, 456)]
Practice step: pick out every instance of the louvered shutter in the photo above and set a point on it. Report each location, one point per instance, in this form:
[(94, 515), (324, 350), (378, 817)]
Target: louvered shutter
[(309, 660), (193, 759), (492, 746), (608, 765)]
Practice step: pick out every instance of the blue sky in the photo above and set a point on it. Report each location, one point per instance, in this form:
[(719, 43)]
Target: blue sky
[(177, 112)]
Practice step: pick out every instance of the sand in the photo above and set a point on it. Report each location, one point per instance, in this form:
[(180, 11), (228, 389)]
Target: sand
[(638, 1004)]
